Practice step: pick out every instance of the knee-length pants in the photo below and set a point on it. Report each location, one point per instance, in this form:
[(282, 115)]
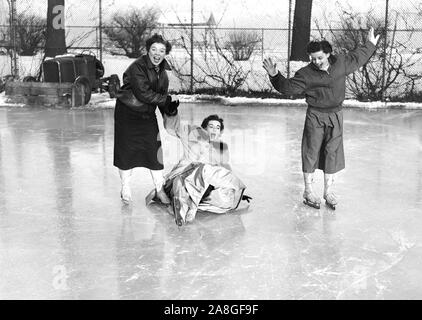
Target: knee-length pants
[(322, 142)]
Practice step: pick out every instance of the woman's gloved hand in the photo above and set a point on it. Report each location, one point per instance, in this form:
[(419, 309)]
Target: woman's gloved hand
[(171, 106), (247, 198), (172, 109)]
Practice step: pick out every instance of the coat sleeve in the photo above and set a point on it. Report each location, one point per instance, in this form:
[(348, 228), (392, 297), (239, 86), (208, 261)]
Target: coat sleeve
[(295, 85), (174, 127), (141, 87), (225, 156), (357, 58), (164, 108)]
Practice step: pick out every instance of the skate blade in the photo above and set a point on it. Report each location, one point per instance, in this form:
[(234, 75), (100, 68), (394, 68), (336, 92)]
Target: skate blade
[(150, 197), (177, 217), (330, 205), (312, 204), (169, 210), (125, 201)]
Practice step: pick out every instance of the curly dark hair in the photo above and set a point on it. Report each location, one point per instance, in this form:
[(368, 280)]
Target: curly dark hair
[(210, 118), (156, 38), (315, 46)]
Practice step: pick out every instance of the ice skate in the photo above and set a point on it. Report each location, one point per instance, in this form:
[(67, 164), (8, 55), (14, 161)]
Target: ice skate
[(125, 194), (176, 210), (329, 196), (310, 199), (330, 200), (150, 197), (162, 197), (157, 196)]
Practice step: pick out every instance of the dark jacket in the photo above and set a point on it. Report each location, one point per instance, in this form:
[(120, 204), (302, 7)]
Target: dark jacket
[(325, 90), (144, 88)]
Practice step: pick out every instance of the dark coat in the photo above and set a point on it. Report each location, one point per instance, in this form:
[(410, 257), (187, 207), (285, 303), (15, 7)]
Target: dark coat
[(325, 90), (137, 141), (144, 88)]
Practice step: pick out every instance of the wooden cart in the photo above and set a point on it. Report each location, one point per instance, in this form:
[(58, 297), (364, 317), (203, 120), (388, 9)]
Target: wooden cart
[(67, 80), (64, 94)]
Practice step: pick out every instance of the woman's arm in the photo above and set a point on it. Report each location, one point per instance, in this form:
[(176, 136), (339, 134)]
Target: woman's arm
[(225, 156), (175, 128), (141, 87), (357, 58), (292, 86)]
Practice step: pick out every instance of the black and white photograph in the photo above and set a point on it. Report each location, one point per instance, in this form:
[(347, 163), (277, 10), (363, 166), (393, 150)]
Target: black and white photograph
[(228, 152)]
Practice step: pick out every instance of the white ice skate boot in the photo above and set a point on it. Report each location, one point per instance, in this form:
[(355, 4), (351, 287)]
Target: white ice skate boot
[(125, 193), (159, 195), (329, 196), (310, 198), (162, 196)]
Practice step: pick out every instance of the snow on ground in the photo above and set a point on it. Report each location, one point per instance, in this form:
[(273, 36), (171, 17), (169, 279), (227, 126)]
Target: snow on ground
[(102, 100)]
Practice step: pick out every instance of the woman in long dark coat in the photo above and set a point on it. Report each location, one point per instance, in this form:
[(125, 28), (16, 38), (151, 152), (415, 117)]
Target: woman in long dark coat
[(137, 140)]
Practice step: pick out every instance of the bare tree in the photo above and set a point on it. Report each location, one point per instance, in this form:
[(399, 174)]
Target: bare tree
[(242, 44), (30, 34), (31, 31), (128, 31), (367, 83), (214, 65)]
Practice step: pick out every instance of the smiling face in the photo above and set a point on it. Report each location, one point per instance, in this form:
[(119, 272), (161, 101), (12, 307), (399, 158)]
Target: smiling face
[(156, 53), (214, 129), (320, 59)]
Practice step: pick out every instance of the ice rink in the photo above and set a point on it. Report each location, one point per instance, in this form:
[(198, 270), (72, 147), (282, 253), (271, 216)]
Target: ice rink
[(64, 233)]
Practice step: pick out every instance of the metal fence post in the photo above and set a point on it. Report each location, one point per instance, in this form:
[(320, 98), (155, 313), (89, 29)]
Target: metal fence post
[(100, 34), (385, 51), (191, 48), (100, 28), (288, 39), (262, 44), (13, 40)]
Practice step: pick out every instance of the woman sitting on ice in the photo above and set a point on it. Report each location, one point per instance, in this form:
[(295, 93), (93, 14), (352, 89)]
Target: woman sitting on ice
[(202, 179)]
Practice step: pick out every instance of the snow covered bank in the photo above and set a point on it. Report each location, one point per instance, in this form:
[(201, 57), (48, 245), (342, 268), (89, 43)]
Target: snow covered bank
[(103, 101), (299, 102)]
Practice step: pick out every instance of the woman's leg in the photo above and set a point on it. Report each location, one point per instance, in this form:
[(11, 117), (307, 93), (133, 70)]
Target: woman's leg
[(309, 195), (329, 196), (158, 178), (312, 139), (125, 193), (334, 157)]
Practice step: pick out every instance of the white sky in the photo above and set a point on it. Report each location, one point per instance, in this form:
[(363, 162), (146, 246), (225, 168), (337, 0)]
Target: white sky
[(230, 13)]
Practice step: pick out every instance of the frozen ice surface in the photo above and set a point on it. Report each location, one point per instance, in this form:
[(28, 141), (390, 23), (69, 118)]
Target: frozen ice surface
[(64, 233)]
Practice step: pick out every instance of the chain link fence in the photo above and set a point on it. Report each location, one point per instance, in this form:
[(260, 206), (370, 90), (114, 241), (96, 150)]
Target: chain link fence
[(229, 60)]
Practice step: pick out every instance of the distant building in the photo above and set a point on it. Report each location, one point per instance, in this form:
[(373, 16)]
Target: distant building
[(200, 21), (173, 20)]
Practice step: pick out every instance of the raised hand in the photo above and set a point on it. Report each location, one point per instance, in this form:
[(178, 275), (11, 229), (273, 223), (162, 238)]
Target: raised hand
[(372, 37), (270, 67)]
